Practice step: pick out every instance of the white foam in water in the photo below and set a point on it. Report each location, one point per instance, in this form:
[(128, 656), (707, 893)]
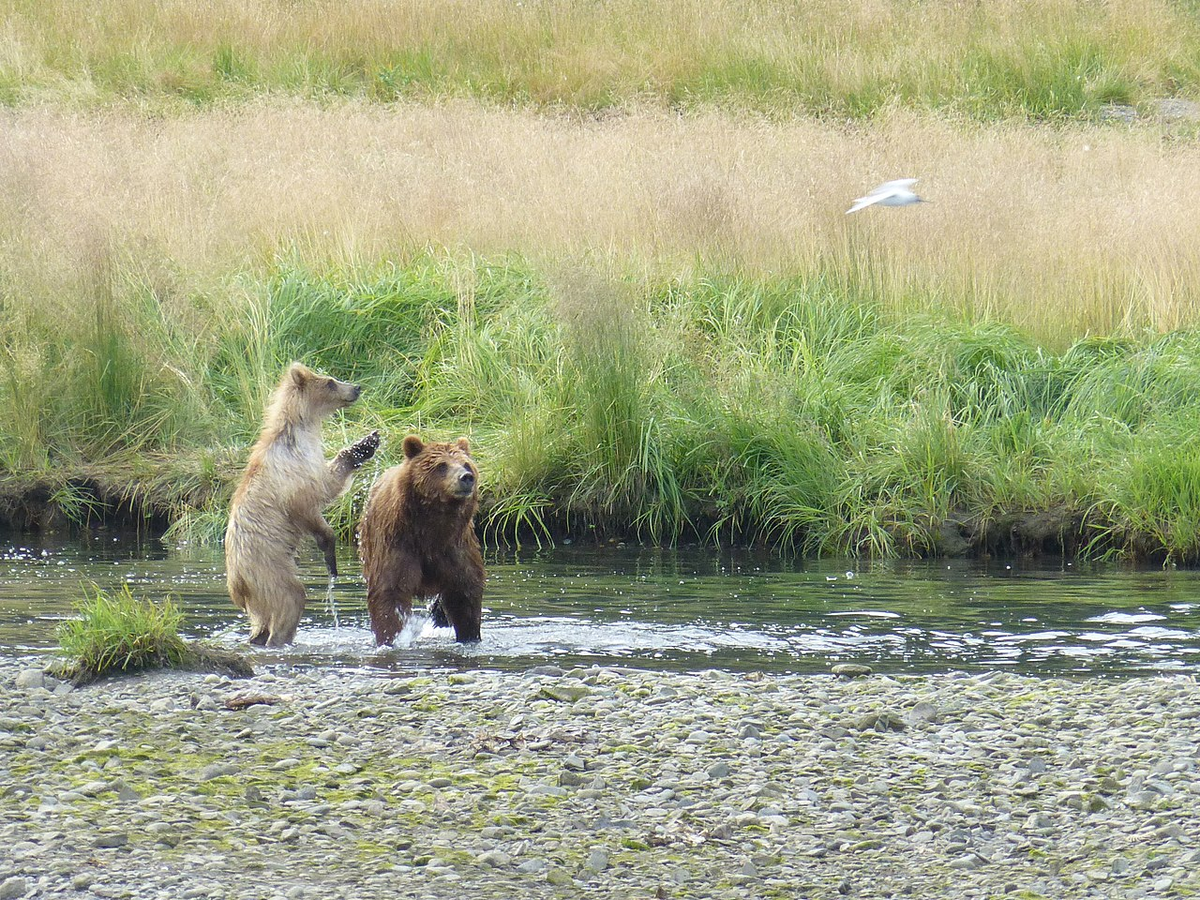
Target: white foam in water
[(1120, 618), (417, 626)]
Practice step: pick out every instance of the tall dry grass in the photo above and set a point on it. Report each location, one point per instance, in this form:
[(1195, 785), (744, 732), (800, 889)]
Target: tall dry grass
[(1040, 58), (1060, 232)]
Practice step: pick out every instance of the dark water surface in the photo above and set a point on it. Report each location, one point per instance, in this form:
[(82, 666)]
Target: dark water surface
[(675, 609)]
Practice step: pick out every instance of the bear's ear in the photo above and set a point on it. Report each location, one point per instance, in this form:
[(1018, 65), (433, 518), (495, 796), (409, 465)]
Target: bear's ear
[(463, 444), (413, 445), (299, 373)]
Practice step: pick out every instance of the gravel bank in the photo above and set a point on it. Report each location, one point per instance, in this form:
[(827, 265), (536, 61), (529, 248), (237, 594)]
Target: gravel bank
[(598, 782)]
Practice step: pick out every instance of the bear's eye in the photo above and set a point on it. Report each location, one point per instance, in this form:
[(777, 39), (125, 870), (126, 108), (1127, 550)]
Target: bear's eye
[(331, 384), (442, 468)]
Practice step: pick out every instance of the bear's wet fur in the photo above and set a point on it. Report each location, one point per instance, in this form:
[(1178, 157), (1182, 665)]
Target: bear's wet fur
[(286, 485), (417, 539)]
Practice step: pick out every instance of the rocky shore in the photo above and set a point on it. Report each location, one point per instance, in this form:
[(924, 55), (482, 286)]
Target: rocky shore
[(323, 783)]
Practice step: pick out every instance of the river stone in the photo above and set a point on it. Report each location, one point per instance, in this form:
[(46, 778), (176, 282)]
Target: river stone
[(882, 720), (28, 679), (718, 770), (564, 693), (12, 888), (597, 861), (571, 761), (496, 859), (851, 670)]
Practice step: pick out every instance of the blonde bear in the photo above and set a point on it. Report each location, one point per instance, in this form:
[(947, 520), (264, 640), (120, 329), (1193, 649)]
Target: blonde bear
[(286, 485)]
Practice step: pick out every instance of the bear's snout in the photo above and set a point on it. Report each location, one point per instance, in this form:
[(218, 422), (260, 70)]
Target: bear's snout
[(467, 480), (355, 392)]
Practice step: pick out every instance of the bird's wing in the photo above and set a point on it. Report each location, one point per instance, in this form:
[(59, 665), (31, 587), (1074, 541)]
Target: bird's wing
[(881, 194), (863, 202)]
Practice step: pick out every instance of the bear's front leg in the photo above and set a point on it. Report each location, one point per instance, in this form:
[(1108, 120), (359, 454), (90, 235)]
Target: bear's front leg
[(326, 542), (391, 583)]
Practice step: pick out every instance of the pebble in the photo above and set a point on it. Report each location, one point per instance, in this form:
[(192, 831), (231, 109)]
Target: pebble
[(599, 782)]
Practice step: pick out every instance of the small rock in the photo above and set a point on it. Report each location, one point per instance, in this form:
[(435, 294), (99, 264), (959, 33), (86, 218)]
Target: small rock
[(564, 693), (922, 711), (1118, 112), (882, 720), (558, 877), (851, 670), (496, 859), (533, 867), (28, 679), (12, 888), (718, 770), (1174, 109), (111, 840), (597, 861)]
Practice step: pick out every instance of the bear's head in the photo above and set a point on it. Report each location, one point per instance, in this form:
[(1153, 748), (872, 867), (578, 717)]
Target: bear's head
[(318, 394), (442, 471)]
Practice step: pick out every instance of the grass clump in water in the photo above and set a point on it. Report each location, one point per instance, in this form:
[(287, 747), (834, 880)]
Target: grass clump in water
[(117, 633)]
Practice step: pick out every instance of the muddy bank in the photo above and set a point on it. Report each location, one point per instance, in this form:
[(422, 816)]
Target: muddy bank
[(90, 499)]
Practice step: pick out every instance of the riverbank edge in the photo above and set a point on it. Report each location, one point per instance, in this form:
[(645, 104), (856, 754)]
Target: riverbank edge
[(599, 782), (91, 496)]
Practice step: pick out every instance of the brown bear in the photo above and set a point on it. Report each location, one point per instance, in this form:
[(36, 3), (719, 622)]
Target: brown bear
[(286, 485), (417, 539)]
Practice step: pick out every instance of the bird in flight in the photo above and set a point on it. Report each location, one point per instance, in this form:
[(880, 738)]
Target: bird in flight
[(890, 193)]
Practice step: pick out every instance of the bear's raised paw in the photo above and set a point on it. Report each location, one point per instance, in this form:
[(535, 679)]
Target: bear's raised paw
[(362, 450)]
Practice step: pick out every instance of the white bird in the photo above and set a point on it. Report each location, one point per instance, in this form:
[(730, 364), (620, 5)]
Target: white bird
[(890, 193)]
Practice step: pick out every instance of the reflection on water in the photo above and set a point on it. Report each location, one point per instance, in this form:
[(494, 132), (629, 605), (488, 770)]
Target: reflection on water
[(678, 609)]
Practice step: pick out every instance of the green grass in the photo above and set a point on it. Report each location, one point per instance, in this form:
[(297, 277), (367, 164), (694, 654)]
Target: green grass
[(802, 411), (1042, 60), (118, 633)]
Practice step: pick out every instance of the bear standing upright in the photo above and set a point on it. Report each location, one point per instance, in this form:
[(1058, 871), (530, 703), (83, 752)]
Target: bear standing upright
[(286, 485), (417, 538)]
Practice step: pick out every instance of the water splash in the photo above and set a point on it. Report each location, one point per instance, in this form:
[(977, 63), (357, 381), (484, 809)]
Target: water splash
[(332, 603)]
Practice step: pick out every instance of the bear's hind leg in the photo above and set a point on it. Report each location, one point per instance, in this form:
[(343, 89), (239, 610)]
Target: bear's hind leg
[(287, 618), (464, 609)]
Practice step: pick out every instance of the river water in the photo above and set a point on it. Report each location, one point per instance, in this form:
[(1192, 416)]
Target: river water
[(684, 609)]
